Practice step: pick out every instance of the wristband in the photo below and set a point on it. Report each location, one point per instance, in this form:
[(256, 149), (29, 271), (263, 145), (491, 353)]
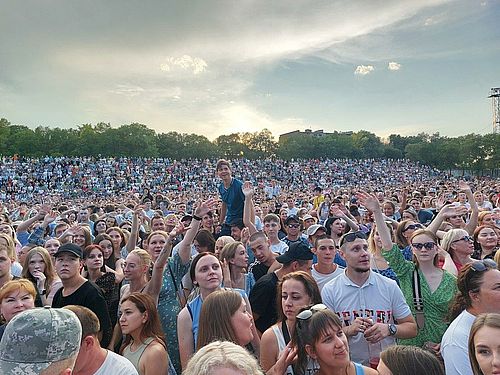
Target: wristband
[(197, 218)]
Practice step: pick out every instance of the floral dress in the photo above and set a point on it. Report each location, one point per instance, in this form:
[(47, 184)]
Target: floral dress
[(169, 306), (436, 304)]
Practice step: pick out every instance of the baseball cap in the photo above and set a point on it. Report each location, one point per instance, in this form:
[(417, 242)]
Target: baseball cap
[(36, 338), (311, 231), (296, 251), (292, 218), (69, 248)]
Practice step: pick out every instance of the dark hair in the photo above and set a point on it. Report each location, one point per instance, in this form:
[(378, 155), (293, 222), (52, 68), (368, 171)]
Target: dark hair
[(205, 239), (310, 286), (329, 223), (111, 261), (411, 360), (309, 332), (468, 281), (94, 232), (152, 327), (88, 250), (222, 162)]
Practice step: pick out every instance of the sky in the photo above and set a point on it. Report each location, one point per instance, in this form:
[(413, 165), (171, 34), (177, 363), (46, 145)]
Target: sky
[(215, 67)]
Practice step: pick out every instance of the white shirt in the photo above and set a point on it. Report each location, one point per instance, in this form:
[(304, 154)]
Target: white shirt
[(279, 248), (117, 365), (454, 345), (379, 298), (322, 279)]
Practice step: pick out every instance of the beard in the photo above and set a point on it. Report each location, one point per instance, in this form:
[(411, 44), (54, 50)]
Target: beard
[(361, 270)]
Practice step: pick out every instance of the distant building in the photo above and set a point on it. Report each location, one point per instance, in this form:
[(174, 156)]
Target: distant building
[(306, 133)]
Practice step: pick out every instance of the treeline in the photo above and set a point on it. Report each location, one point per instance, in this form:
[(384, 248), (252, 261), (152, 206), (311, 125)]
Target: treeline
[(470, 152)]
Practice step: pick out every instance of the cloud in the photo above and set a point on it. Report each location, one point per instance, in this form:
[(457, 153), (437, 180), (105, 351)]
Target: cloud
[(394, 66), (185, 62), (363, 70)]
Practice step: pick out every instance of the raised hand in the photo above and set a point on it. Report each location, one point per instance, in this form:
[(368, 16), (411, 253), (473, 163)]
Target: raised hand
[(204, 207), (49, 218), (368, 200), (245, 236), (247, 189), (463, 186)]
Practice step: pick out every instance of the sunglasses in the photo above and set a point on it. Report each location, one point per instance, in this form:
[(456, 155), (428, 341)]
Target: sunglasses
[(412, 227), (350, 237), (427, 245), (478, 266), (306, 314), (293, 225), (483, 265), (465, 238)]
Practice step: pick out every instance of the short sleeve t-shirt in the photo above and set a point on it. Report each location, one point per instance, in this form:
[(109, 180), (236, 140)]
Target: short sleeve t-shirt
[(234, 199), (379, 298)]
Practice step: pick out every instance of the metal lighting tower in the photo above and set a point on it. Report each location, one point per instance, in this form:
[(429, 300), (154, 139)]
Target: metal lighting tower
[(495, 102)]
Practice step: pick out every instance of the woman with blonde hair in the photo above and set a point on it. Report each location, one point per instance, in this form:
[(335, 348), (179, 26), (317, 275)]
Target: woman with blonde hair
[(221, 242), (234, 260), (38, 268), (378, 263), (217, 356), (15, 297), (484, 344), (460, 246)]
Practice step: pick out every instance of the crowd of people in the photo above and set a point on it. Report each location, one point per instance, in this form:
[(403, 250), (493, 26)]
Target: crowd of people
[(153, 266)]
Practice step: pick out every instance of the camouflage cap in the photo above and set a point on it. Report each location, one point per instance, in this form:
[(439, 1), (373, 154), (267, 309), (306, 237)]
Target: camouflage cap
[(38, 337)]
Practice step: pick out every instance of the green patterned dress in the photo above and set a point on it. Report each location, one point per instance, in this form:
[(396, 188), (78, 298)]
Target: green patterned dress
[(436, 304), (169, 307)]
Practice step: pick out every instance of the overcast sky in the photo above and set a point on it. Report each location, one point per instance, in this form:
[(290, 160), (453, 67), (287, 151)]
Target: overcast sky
[(216, 67)]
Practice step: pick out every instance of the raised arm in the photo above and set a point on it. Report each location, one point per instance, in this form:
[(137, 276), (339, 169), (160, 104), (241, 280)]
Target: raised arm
[(134, 232), (248, 208), (199, 212), (336, 211), (154, 285), (24, 226), (445, 212), (370, 202), (471, 225)]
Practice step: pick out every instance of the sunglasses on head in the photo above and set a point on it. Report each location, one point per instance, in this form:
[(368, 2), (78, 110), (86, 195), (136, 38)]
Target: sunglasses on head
[(483, 265), (427, 245), (307, 313), (465, 238), (412, 227), (350, 237)]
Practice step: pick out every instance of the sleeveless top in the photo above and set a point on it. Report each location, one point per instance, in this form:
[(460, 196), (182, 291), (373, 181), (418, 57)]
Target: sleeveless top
[(135, 357), (312, 365), (359, 369)]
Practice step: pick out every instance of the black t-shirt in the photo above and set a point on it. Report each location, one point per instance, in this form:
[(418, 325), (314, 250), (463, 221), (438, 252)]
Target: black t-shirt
[(263, 301), (88, 295), (258, 270)]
